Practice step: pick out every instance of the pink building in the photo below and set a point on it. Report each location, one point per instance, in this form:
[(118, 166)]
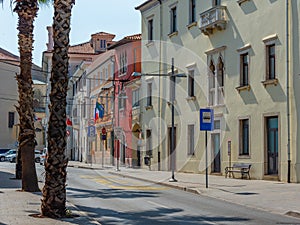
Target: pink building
[(128, 60)]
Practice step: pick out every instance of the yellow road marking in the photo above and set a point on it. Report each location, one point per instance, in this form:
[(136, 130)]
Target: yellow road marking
[(109, 183), (145, 188)]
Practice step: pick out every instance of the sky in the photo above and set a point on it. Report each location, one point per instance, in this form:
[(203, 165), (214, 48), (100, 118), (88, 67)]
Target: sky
[(118, 17)]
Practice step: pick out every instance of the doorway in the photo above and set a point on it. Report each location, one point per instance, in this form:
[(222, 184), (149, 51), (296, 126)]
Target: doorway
[(272, 145), (149, 150), (216, 158)]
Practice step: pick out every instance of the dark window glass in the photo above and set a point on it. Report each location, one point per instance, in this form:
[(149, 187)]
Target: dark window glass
[(149, 94), (271, 61), (11, 119), (173, 20), (150, 30), (244, 70), (192, 11), (244, 135), (191, 84)]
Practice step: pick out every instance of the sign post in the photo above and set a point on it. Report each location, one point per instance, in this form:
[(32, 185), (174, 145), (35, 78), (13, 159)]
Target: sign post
[(207, 124), (103, 132), (229, 154)]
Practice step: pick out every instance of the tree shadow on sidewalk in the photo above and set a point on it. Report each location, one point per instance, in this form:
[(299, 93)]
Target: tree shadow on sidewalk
[(7, 181)]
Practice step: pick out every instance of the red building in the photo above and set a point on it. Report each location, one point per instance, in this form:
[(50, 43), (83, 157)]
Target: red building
[(128, 60)]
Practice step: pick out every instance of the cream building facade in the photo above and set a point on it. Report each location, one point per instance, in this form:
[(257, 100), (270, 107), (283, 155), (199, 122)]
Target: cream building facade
[(241, 59), (9, 67)]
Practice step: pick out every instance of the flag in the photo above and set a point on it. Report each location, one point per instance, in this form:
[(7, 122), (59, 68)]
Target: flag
[(99, 111)]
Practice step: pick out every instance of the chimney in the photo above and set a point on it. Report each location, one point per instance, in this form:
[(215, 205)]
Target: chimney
[(50, 43)]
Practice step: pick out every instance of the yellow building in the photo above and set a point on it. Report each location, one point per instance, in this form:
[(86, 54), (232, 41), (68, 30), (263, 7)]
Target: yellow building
[(241, 59)]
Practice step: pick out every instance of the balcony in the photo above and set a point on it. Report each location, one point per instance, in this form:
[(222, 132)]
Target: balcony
[(136, 111), (213, 19)]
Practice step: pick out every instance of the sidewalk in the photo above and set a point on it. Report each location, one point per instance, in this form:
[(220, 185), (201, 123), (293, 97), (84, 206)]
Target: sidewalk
[(273, 196), (19, 208)]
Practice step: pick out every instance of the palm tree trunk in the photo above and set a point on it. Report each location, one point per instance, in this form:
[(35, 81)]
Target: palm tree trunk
[(54, 191), (27, 11)]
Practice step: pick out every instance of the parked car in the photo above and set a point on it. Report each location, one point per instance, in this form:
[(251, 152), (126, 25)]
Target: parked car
[(37, 156), (3, 153), (44, 156), (13, 156)]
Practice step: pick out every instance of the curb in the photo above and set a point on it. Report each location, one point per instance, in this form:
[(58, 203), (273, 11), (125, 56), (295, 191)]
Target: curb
[(193, 191)]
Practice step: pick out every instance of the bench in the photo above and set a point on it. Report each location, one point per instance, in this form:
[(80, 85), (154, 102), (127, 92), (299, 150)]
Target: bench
[(242, 168)]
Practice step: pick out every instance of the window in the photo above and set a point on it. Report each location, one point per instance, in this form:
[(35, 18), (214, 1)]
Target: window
[(103, 44), (122, 100), (173, 20), (211, 83), (271, 62), (150, 30), (136, 98), (244, 70), (191, 84), (149, 148), (123, 63), (216, 2), (11, 119), (220, 73), (244, 137), (149, 94), (106, 105), (191, 145), (106, 73), (192, 11)]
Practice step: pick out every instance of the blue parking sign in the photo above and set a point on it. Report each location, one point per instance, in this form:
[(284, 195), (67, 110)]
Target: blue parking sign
[(207, 119), (91, 131)]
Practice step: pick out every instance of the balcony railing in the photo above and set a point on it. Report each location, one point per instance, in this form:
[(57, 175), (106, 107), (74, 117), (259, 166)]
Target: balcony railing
[(214, 18), (136, 111)]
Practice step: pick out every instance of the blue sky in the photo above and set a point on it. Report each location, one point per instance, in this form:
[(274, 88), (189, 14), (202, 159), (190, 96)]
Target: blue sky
[(88, 16)]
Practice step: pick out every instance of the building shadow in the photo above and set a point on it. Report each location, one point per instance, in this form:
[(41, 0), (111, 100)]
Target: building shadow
[(7, 181)]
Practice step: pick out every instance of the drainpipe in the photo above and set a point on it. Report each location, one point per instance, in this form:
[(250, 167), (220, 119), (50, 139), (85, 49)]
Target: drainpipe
[(159, 89), (288, 89)]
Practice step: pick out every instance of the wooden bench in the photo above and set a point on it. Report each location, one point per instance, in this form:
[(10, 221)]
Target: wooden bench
[(242, 168)]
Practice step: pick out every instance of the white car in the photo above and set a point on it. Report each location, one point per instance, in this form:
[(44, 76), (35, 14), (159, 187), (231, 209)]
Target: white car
[(12, 156), (3, 153), (44, 156)]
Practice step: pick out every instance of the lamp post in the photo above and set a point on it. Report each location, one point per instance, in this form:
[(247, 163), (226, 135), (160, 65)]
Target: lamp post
[(173, 80)]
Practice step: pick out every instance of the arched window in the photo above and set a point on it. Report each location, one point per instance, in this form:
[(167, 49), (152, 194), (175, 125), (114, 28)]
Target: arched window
[(212, 74), (220, 72)]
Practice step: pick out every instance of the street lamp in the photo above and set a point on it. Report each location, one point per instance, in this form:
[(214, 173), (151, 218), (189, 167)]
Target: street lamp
[(173, 80)]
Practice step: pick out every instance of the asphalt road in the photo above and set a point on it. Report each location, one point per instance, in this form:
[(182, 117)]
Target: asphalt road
[(111, 199)]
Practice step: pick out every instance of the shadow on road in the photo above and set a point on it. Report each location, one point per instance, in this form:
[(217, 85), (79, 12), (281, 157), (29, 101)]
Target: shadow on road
[(7, 180), (109, 193), (164, 216)]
